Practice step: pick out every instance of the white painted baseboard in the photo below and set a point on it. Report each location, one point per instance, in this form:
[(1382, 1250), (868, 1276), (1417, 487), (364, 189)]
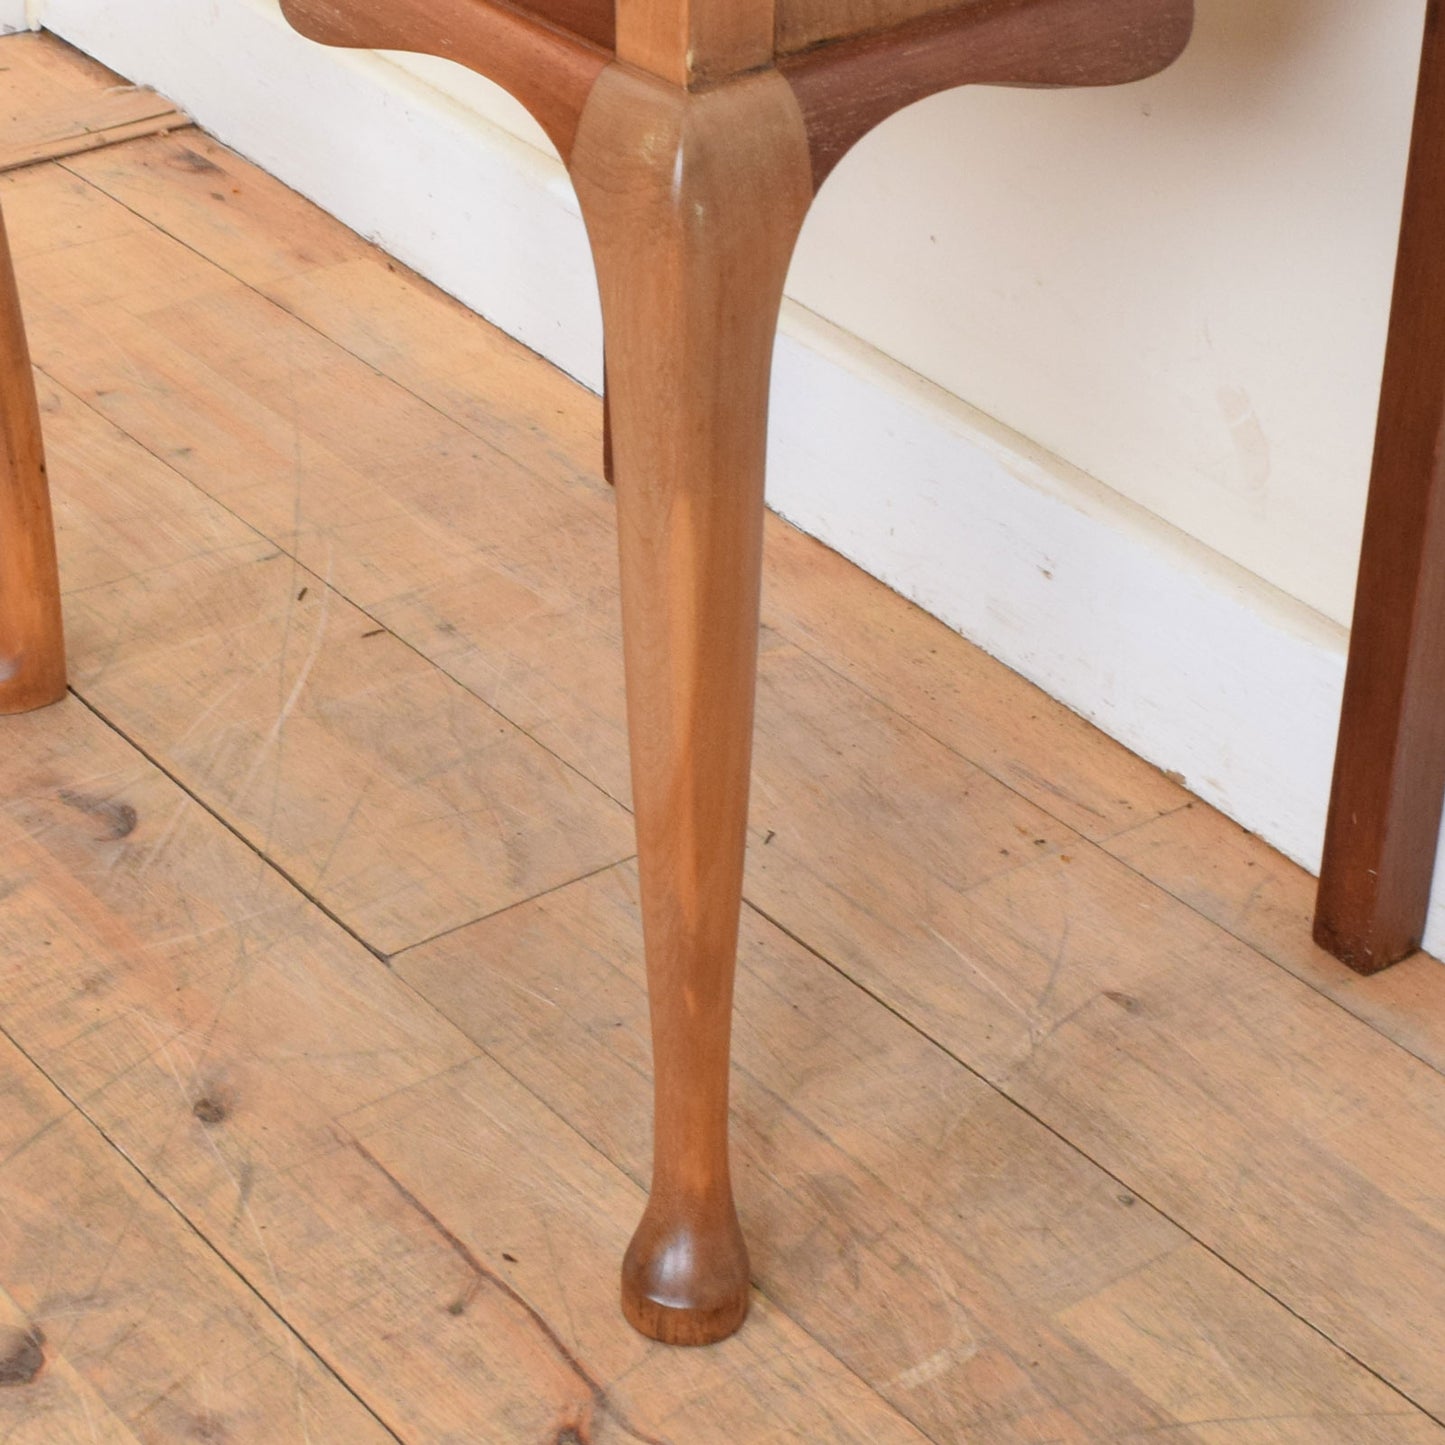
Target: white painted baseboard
[(16, 15), (1179, 654)]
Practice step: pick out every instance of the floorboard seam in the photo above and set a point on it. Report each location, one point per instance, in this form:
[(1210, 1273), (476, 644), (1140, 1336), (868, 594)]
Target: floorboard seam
[(235, 832), (285, 551), (1082, 1153), (1316, 988), (508, 907), (180, 121), (387, 959), (385, 962), (200, 1235), (792, 640)]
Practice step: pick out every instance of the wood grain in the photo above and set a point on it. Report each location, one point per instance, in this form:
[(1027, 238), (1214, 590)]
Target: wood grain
[(261, 685), (93, 133), (801, 23), (353, 1157), (498, 618), (56, 1405), (694, 176), (266, 236), (114, 1292), (54, 101), (32, 643), (508, 1191), (691, 42), (1127, 1023), (488, 543), (847, 88), (594, 20), (1233, 879), (1029, 1296), (693, 205), (427, 793), (255, 1062), (1389, 784)]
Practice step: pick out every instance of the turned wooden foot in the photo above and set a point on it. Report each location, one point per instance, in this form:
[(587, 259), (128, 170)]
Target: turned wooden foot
[(693, 202), (32, 650), (685, 1276)]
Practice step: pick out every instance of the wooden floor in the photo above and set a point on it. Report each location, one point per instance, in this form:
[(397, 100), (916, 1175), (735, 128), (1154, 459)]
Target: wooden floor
[(324, 1077)]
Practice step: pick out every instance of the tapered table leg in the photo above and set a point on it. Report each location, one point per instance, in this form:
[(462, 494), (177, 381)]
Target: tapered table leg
[(32, 650), (693, 202), (1385, 811)]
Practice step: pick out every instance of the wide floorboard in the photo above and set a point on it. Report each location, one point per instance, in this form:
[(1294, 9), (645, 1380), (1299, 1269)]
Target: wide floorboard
[(324, 1064)]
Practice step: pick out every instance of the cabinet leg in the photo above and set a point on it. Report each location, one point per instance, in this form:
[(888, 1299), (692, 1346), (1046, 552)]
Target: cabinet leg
[(32, 650), (606, 426), (693, 203), (1384, 823)]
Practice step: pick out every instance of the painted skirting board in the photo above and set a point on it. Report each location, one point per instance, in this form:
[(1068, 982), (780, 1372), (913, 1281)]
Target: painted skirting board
[(16, 15), (1181, 655)]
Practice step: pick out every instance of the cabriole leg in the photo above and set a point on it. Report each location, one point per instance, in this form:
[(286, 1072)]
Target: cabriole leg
[(693, 203)]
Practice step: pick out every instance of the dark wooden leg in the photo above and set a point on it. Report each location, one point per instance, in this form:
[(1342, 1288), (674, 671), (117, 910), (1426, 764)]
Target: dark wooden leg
[(607, 470), (1389, 784), (693, 203), (32, 650)]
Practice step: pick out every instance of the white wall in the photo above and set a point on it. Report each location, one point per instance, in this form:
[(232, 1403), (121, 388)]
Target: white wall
[(1180, 288), (15, 15)]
